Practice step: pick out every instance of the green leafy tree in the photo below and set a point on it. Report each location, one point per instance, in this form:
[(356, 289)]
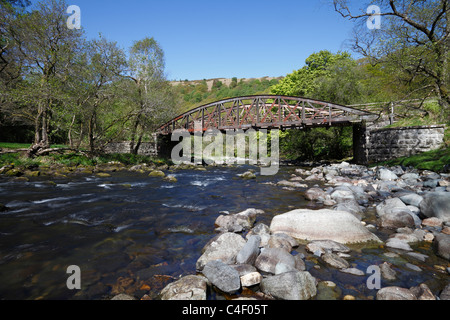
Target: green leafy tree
[(414, 38), (45, 50)]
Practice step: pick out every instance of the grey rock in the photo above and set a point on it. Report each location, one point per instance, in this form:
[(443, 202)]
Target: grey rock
[(282, 241), (395, 243), (251, 279), (225, 247), (315, 194), (410, 175), (387, 175), (339, 226), (422, 292), (190, 287), (222, 276), (353, 271), (395, 293), (350, 206), (341, 195), (239, 221), (123, 296), (389, 205), (387, 272), (335, 261), (397, 218), (441, 245), (325, 246), (412, 267), (436, 204), (282, 268), (412, 199), (445, 294), (243, 269), (250, 251), (270, 257), (418, 256), (294, 285)]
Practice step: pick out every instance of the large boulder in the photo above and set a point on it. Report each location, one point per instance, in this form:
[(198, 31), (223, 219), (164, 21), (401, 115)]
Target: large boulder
[(293, 285), (436, 204), (395, 293), (305, 224), (389, 205), (225, 248)]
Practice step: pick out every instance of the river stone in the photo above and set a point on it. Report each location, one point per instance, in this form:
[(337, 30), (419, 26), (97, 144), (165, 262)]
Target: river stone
[(396, 243), (397, 218), (387, 272), (395, 293), (389, 205), (325, 224), (335, 261), (190, 287), (251, 279), (386, 175), (225, 248), (222, 276), (445, 294), (441, 244), (315, 194), (411, 199), (249, 251), (270, 257), (436, 204), (325, 246), (293, 285)]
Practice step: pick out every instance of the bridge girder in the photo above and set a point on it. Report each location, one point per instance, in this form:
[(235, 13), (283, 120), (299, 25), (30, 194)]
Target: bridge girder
[(265, 112)]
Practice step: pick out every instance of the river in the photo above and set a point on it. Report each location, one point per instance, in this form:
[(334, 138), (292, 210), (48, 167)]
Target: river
[(130, 233)]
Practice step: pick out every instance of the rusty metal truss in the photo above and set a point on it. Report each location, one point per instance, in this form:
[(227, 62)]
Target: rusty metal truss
[(265, 112)]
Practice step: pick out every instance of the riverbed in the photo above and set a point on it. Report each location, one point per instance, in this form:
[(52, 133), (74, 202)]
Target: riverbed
[(134, 234)]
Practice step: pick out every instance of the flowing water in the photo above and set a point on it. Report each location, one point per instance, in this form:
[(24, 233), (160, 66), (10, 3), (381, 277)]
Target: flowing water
[(133, 234)]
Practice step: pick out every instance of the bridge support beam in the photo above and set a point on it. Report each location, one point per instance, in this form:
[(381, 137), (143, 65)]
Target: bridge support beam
[(360, 151)]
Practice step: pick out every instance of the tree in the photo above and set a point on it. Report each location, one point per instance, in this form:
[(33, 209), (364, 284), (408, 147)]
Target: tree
[(46, 50), (414, 37), (302, 82), (152, 96)]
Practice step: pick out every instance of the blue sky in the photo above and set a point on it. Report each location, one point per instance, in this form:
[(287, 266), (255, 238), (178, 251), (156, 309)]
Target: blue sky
[(210, 39)]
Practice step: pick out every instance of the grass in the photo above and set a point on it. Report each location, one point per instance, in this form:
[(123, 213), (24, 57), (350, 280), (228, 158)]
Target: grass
[(74, 159), (14, 145), (432, 160)]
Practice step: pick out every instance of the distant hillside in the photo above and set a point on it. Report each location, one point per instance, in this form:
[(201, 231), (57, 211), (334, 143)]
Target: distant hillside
[(195, 93)]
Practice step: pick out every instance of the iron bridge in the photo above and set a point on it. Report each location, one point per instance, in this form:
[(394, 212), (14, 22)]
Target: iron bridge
[(266, 112)]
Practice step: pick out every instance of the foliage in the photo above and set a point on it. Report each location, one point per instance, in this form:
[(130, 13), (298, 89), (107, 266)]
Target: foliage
[(432, 160), (72, 90), (413, 38)]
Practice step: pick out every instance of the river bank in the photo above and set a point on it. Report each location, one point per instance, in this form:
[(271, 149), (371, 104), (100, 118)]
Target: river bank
[(193, 205)]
